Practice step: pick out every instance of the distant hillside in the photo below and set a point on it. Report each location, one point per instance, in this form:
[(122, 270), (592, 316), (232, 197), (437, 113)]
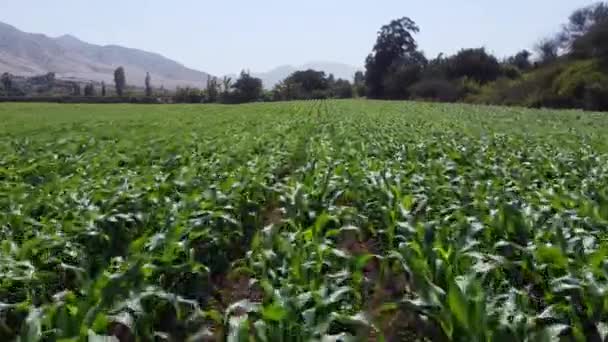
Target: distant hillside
[(28, 54), (274, 76)]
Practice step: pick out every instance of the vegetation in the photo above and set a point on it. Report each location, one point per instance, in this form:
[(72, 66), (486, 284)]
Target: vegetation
[(245, 89), (314, 220), (120, 81), (7, 82), (567, 70), (76, 89), (395, 50), (89, 90), (311, 84), (148, 85)]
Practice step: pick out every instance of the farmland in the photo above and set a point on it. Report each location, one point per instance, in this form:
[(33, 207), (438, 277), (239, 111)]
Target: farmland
[(317, 220)]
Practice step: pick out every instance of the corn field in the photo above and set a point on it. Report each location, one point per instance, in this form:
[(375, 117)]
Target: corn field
[(302, 221)]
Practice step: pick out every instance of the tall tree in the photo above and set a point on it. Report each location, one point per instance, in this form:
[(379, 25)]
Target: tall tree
[(7, 82), (76, 89), (212, 89), (342, 89), (359, 83), (247, 88), (394, 41), (476, 64), (89, 90), (521, 60), (226, 83), (547, 50), (120, 80), (594, 44), (148, 85), (103, 88), (582, 22)]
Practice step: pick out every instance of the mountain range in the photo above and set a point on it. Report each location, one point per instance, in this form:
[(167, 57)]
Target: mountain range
[(29, 54)]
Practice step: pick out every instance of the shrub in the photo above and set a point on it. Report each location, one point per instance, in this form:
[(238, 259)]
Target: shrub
[(437, 90)]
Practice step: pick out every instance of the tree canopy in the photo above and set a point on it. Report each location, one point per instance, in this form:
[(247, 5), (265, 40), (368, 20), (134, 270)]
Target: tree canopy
[(120, 80), (395, 42), (246, 88)]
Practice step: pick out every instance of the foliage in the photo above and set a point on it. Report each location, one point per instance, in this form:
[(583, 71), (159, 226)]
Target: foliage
[(213, 89), (395, 41), (584, 83), (120, 81), (309, 80), (547, 50), (593, 44), (246, 89), (581, 23), (89, 90), (76, 89), (342, 89), (103, 88), (316, 220), (7, 82), (521, 60), (399, 78), (577, 84), (435, 90), (188, 95), (311, 84), (359, 84), (474, 64), (148, 85)]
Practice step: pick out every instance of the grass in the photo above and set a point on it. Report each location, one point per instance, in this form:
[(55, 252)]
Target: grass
[(313, 220)]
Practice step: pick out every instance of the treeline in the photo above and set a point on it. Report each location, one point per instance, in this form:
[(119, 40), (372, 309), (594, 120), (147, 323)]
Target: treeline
[(569, 69), (301, 85)]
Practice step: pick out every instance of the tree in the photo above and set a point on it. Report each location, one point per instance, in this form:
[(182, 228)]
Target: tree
[(309, 80), (342, 89), (76, 89), (547, 50), (594, 44), (188, 95), (89, 90), (582, 22), (7, 82), (103, 88), (212, 89), (148, 85), (436, 68), (521, 60), (120, 80), (246, 89), (474, 64), (586, 34), (399, 78), (311, 84), (394, 41), (359, 83), (404, 72), (226, 83), (435, 90)]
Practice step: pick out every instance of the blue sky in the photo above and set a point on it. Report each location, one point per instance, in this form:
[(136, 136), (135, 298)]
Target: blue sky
[(228, 35)]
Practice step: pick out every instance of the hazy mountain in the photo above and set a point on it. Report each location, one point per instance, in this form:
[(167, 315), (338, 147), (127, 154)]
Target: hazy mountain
[(30, 54), (339, 70)]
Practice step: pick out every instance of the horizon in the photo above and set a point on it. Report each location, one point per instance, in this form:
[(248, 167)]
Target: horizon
[(312, 43)]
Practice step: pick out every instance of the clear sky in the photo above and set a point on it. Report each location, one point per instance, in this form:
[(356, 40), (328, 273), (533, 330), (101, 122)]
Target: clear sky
[(225, 36)]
